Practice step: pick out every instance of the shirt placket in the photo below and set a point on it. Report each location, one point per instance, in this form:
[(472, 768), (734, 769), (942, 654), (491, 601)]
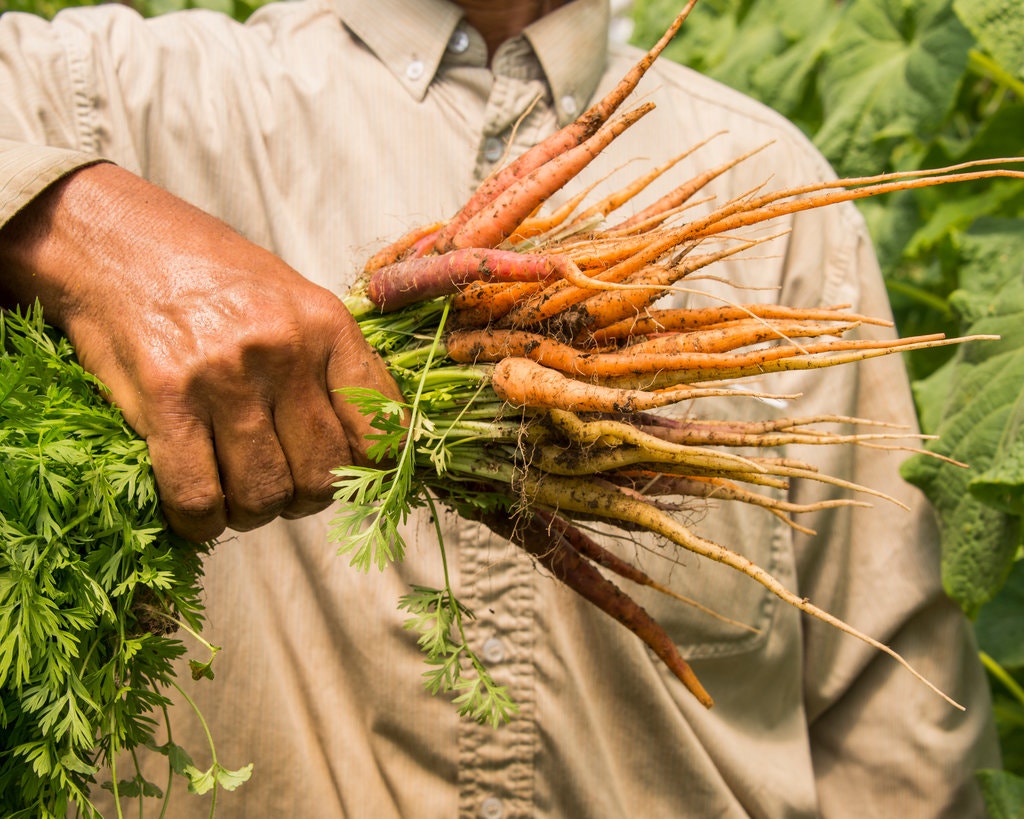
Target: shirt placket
[(496, 776), (518, 112), (496, 766)]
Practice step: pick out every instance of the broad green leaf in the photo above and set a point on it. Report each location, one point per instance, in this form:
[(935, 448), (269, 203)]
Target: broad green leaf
[(1003, 792), (706, 37), (785, 80), (1000, 627), (955, 214), (992, 270), (1002, 484), (971, 403), (998, 26), (891, 75), (761, 47)]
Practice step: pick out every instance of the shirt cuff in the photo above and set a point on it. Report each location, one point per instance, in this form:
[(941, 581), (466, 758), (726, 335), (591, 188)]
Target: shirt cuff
[(27, 170)]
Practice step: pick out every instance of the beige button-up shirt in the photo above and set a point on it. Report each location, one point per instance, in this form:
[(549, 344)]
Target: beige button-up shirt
[(321, 129)]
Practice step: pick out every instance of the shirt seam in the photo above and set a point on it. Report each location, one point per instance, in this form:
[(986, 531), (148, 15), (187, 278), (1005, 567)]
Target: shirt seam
[(83, 105)]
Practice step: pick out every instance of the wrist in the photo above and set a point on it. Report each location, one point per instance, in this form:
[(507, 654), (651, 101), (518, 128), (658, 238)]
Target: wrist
[(38, 244)]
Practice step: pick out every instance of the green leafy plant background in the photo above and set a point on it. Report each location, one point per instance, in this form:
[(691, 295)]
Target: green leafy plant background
[(884, 85), (892, 85)]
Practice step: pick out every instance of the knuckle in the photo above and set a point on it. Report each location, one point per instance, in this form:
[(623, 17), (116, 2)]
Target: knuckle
[(199, 517), (253, 506)]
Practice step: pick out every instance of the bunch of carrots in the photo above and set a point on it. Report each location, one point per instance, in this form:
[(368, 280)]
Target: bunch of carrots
[(536, 355)]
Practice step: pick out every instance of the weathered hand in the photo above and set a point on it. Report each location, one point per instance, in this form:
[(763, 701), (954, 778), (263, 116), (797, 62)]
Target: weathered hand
[(221, 356)]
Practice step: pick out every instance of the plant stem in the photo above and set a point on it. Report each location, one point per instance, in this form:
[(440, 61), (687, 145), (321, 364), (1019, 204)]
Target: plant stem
[(1001, 674)]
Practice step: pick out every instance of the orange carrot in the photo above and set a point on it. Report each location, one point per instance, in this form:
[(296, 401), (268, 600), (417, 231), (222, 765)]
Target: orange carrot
[(525, 383), (746, 212), (684, 192), (743, 333), (688, 318), (554, 552), (610, 306), (500, 217), (481, 303), (616, 200), (397, 249)]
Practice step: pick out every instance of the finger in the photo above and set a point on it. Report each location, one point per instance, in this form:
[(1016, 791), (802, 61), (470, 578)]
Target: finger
[(180, 445), (254, 472), (314, 443), (353, 363), (188, 481)]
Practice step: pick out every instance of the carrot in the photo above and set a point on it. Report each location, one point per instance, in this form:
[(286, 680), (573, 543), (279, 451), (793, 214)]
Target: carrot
[(500, 217), (524, 383), (704, 434), (684, 192), (481, 303), (420, 279), (557, 459), (563, 295), (554, 552), (726, 366), (723, 489), (688, 318), (537, 225), (596, 310), (598, 554), (615, 200), (600, 252), (741, 333), (743, 213), (575, 495), (660, 370), (396, 250)]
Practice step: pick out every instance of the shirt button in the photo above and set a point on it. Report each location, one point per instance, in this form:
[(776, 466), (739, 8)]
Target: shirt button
[(491, 808), (414, 70), (494, 650), (569, 104), (493, 149), (458, 42)]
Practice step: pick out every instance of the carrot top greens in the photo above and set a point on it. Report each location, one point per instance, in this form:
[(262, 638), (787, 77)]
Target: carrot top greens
[(93, 586)]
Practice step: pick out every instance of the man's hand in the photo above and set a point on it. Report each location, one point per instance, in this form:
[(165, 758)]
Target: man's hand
[(221, 356)]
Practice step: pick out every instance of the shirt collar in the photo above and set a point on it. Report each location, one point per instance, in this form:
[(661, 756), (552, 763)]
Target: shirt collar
[(572, 46), (410, 37)]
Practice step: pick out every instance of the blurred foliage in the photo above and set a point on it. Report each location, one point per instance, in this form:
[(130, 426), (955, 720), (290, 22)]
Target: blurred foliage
[(239, 9)]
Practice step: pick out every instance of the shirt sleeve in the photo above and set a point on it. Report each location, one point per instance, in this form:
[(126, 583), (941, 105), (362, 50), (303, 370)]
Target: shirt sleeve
[(41, 134)]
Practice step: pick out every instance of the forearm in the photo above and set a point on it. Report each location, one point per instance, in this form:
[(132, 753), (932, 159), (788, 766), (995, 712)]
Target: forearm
[(36, 241)]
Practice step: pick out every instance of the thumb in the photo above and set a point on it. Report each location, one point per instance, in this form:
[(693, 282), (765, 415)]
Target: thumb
[(353, 363)]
